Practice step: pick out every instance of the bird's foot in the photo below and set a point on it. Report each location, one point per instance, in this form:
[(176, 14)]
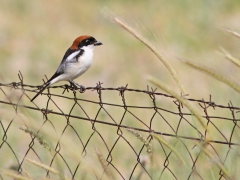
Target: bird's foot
[(75, 85)]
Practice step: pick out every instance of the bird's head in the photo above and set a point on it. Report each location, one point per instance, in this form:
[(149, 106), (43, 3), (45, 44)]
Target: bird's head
[(85, 41)]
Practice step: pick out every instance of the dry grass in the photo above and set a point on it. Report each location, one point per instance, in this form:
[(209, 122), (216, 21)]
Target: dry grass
[(35, 35)]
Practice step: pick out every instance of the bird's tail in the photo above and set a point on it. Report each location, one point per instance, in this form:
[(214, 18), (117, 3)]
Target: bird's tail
[(44, 87)]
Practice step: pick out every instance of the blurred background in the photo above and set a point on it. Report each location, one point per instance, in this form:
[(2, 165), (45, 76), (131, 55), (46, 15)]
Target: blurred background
[(35, 35)]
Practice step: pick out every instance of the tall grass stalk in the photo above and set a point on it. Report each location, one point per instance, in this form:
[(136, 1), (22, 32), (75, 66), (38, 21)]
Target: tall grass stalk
[(214, 74), (170, 68)]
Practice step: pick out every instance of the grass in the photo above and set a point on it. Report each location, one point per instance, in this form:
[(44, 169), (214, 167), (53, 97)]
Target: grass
[(34, 37)]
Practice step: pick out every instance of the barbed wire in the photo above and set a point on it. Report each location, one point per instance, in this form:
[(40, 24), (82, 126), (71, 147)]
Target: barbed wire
[(175, 124)]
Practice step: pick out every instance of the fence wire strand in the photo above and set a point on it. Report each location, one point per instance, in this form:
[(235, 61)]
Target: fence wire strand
[(120, 147)]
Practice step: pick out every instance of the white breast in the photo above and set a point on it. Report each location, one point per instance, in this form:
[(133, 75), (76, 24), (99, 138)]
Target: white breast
[(76, 69)]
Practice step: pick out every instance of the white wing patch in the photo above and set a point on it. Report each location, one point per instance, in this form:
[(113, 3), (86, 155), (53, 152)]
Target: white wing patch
[(73, 55)]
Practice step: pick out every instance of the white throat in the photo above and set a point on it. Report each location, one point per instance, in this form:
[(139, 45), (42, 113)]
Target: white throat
[(88, 52)]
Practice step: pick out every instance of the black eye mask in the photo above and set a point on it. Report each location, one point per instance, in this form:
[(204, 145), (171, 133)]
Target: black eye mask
[(87, 42)]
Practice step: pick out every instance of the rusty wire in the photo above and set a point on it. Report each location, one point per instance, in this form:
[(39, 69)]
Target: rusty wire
[(119, 125)]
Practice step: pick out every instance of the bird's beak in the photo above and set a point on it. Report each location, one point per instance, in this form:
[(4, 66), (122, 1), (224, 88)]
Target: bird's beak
[(97, 43)]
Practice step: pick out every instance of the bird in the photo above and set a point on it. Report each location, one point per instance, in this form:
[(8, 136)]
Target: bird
[(75, 62)]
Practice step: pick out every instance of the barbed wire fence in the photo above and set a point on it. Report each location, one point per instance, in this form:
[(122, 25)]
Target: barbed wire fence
[(107, 140)]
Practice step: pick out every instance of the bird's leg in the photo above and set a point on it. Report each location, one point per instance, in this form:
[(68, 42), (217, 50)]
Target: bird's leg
[(76, 85), (82, 88)]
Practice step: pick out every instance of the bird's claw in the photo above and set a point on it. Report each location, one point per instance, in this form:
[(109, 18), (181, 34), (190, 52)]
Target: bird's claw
[(82, 89), (75, 86)]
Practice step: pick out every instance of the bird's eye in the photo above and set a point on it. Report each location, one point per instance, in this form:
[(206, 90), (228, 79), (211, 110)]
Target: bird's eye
[(87, 41)]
